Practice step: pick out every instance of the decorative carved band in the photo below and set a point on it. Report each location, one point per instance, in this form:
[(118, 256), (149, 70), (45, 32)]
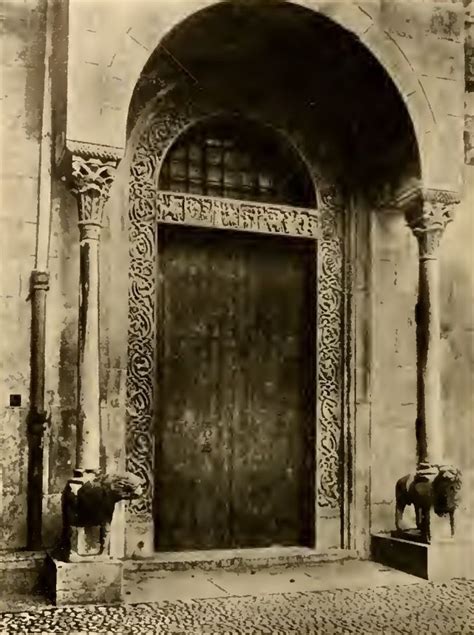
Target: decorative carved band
[(94, 150), (92, 179), (147, 206), (232, 214)]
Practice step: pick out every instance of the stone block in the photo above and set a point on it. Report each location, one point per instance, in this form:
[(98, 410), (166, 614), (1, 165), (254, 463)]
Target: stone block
[(94, 581), (139, 537), (442, 560), (328, 531), (19, 573)]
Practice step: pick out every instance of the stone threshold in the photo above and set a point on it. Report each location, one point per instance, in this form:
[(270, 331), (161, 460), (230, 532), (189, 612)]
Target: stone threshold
[(235, 559)]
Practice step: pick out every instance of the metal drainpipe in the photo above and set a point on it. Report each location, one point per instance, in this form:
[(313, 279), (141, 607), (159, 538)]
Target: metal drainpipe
[(39, 285)]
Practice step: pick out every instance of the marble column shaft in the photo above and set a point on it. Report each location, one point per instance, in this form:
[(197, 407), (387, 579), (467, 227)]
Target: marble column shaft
[(428, 218), (92, 179)]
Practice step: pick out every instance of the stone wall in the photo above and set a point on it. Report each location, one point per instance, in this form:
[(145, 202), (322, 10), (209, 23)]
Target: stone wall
[(457, 340), (394, 280), (22, 34), (61, 356)]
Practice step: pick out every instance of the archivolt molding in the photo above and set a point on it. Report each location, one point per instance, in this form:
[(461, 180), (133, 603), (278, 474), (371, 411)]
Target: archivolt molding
[(147, 206)]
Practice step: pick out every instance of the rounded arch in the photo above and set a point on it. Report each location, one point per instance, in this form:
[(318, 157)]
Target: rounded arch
[(166, 118), (368, 121), (315, 116)]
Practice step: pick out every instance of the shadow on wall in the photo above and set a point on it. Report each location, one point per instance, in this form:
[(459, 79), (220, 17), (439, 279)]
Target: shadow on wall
[(62, 319), (457, 363), (457, 340)]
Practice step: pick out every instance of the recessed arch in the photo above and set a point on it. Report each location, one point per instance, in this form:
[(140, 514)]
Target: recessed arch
[(171, 114), (345, 94), (346, 141)]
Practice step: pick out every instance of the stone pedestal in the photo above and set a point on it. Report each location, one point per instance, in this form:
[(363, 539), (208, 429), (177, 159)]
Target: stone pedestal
[(440, 560), (90, 581)]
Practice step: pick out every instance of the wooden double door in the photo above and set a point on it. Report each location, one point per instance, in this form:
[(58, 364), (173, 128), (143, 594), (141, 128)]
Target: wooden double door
[(236, 387)]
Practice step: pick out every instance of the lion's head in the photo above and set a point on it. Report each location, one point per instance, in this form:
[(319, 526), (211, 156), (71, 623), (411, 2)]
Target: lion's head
[(446, 490), (124, 486)]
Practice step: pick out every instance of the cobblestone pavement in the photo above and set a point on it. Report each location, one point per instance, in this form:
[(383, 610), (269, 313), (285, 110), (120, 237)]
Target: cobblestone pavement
[(446, 608)]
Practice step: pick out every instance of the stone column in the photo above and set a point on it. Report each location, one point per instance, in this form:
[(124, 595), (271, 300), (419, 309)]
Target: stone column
[(428, 218), (427, 548), (92, 179), (434, 490), (81, 571)]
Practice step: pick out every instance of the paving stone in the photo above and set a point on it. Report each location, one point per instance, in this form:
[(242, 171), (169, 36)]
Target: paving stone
[(415, 609)]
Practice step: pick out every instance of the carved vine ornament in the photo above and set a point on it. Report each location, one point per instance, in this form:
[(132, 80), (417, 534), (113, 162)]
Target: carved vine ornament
[(147, 206)]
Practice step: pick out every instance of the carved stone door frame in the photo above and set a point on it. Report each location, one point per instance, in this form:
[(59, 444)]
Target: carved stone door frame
[(325, 224)]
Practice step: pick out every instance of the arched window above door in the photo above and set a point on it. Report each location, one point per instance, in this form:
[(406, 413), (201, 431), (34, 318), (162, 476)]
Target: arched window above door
[(233, 157)]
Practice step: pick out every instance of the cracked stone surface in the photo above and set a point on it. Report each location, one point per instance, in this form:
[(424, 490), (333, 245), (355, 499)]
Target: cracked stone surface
[(444, 608)]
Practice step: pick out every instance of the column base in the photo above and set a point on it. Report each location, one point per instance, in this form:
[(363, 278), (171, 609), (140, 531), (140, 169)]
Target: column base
[(441, 560), (94, 581)]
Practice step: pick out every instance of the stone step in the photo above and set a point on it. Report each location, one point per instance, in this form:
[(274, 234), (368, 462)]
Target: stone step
[(236, 559)]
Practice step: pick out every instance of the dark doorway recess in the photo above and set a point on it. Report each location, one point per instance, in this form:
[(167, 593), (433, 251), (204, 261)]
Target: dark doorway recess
[(236, 390)]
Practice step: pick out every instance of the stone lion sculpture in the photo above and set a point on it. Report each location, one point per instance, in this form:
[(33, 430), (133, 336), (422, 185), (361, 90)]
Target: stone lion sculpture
[(93, 504), (440, 494)]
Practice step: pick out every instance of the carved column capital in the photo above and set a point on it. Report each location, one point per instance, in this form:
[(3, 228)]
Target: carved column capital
[(428, 214), (91, 181)]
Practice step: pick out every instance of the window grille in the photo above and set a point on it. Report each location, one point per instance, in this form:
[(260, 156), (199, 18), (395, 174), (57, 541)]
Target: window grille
[(233, 158)]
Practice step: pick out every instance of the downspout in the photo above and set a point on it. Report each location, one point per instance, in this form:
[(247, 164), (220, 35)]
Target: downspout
[(39, 285)]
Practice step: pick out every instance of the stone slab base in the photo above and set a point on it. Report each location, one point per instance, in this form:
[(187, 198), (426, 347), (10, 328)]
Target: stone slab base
[(96, 581), (20, 572), (413, 535), (236, 559), (439, 561)]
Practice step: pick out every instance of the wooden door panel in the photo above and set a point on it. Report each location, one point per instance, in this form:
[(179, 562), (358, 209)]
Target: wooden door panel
[(192, 490), (235, 382), (270, 439)]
